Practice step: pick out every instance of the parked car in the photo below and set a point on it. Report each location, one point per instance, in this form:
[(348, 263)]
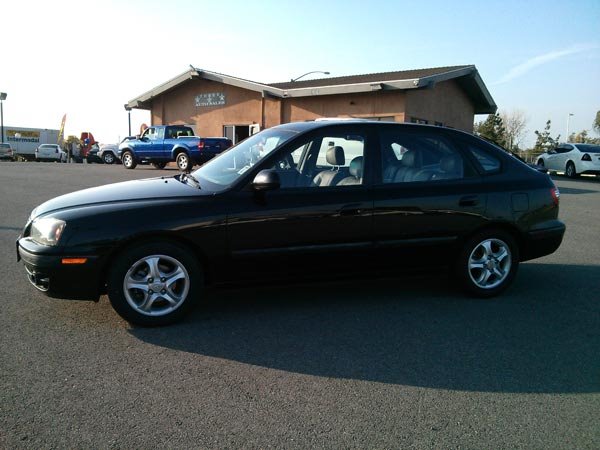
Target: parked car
[(572, 159), (92, 155), (109, 153), (295, 201), (6, 151), (50, 152), (160, 145)]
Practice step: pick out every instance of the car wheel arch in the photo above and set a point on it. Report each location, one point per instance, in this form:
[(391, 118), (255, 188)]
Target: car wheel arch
[(178, 150), (144, 238), (517, 234)]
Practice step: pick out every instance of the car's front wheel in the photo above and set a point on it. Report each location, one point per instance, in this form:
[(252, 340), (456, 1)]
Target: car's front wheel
[(108, 158), (154, 284), (540, 162), (128, 160), (488, 263), (183, 161)]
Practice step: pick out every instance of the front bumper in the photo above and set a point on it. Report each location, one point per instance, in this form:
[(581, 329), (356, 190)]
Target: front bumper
[(48, 274)]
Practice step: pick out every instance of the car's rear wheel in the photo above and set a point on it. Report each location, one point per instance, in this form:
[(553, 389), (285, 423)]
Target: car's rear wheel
[(159, 165), (128, 160), (570, 170), (488, 263), (183, 161), (108, 158), (154, 284)]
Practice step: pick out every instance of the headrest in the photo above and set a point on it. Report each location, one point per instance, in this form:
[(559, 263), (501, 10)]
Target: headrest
[(335, 156), (450, 164), (356, 167), (409, 158)]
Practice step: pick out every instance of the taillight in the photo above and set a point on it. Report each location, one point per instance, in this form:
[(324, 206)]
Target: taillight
[(555, 193), (586, 157), (200, 145)]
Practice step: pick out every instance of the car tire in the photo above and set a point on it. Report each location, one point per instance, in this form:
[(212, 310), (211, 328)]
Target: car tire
[(488, 263), (570, 170), (154, 284), (183, 161), (108, 158), (128, 160), (159, 165), (540, 162)]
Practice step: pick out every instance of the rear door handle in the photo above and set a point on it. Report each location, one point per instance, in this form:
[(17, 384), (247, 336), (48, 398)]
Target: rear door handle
[(469, 200), (351, 210)]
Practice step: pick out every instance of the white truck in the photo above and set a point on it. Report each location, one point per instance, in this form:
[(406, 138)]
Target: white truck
[(24, 141)]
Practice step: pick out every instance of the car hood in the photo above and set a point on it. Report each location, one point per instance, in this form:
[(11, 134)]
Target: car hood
[(146, 189)]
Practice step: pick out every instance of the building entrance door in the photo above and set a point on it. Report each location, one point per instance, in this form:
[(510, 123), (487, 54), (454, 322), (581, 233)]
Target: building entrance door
[(238, 133)]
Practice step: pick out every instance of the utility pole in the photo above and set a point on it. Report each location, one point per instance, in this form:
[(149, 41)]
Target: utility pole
[(568, 122)]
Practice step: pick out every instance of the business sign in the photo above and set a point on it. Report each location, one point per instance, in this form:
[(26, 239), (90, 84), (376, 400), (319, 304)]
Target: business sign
[(23, 136), (210, 99)]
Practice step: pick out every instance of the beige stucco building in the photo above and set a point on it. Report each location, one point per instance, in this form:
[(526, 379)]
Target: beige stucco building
[(223, 105)]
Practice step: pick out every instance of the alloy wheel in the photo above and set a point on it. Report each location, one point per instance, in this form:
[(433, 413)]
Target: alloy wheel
[(156, 285), (489, 263)]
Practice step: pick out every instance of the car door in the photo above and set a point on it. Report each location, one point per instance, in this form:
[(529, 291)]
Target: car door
[(303, 225), (145, 146), (428, 193)]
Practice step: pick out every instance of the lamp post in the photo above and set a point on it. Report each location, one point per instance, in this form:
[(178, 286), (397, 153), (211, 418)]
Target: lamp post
[(568, 122), (17, 139), (128, 109), (2, 98), (308, 73)]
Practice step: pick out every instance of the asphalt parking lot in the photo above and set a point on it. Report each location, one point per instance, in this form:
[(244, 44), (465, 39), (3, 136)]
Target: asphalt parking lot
[(356, 364)]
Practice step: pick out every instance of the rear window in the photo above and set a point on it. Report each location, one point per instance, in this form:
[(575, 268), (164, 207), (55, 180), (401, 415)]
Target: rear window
[(589, 148)]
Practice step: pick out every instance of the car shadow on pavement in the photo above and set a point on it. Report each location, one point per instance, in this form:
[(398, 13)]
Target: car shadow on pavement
[(542, 336)]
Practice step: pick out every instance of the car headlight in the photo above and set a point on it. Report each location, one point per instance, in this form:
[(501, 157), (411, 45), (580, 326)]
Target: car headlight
[(47, 230)]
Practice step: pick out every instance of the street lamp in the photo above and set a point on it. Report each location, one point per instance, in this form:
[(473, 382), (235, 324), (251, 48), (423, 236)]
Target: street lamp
[(128, 109), (308, 73), (568, 121), (2, 98)]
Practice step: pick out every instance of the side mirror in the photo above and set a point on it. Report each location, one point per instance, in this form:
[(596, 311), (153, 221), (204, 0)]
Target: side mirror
[(266, 180)]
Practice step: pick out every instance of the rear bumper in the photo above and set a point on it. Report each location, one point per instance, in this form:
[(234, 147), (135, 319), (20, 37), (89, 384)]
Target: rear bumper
[(543, 241), (49, 275)]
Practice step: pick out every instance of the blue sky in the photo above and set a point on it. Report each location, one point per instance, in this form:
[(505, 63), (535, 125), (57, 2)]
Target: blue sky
[(87, 59)]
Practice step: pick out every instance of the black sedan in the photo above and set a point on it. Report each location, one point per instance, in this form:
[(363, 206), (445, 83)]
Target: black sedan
[(323, 198)]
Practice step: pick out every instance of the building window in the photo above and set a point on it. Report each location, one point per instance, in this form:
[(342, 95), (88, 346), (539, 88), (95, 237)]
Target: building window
[(417, 120)]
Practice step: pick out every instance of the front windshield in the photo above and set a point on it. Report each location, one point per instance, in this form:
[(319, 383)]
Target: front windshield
[(224, 170)]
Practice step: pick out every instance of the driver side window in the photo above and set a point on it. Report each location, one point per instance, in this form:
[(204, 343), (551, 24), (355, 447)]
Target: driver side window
[(150, 133), (324, 161)]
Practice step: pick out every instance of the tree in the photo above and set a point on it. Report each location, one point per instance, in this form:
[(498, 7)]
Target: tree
[(596, 124), (514, 123), (544, 141), (583, 138), (493, 129)]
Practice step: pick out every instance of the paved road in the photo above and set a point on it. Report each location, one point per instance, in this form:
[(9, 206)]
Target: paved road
[(381, 363)]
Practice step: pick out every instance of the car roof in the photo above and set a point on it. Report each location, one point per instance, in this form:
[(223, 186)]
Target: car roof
[(309, 125)]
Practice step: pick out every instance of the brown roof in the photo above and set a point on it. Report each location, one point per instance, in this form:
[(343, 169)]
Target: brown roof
[(367, 78)]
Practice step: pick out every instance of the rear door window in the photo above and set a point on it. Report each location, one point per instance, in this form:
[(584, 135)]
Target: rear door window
[(419, 157)]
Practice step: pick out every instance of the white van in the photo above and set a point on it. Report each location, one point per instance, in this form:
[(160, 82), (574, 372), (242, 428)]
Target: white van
[(50, 152)]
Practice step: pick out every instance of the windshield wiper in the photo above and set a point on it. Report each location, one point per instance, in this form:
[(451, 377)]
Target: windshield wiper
[(184, 177)]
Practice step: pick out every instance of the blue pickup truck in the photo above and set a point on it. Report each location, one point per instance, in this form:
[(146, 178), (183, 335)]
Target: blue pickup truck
[(160, 145)]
